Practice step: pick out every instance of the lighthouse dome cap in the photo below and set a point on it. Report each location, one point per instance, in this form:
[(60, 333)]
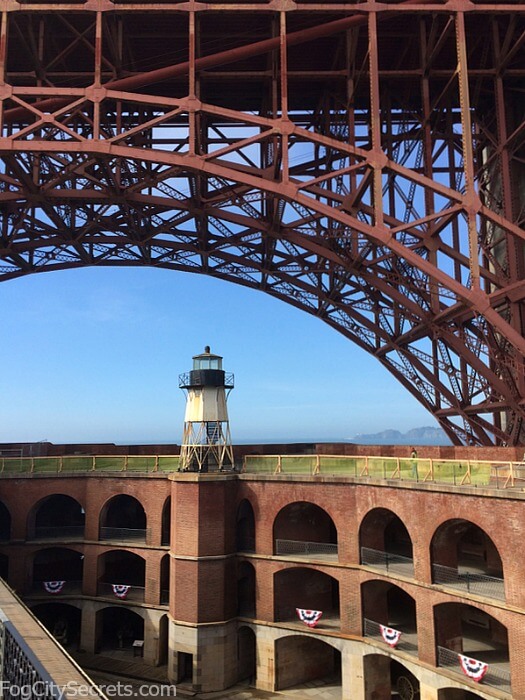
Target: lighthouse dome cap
[(207, 354)]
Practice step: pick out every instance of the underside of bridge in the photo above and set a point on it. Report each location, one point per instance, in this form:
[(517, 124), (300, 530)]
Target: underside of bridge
[(364, 162)]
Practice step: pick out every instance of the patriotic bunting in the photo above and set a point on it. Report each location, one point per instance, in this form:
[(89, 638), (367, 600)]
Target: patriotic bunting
[(53, 586), (309, 617), (472, 668), (120, 590), (390, 635)]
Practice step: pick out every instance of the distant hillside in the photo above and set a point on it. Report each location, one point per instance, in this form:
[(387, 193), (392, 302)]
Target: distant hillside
[(416, 436)]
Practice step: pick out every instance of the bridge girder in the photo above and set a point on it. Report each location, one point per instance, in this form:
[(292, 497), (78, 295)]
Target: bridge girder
[(375, 178)]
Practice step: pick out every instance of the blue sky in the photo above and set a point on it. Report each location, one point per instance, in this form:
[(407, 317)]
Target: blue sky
[(93, 355)]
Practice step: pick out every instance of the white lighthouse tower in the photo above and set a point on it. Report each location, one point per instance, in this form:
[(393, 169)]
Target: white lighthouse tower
[(206, 443)]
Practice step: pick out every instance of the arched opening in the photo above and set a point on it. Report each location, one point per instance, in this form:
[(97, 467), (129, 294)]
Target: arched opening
[(165, 539), (62, 621), (122, 575), (246, 655), (389, 615), (385, 542), (245, 590), (57, 571), (456, 694), (5, 523), (384, 678), (165, 580), (4, 567), (304, 529), (118, 629), (301, 660), (123, 519), (245, 527), (163, 640), (306, 589), (464, 630), (57, 517), (465, 557)]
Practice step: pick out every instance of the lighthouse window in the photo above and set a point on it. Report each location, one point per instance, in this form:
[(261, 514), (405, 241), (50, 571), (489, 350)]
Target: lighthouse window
[(207, 363)]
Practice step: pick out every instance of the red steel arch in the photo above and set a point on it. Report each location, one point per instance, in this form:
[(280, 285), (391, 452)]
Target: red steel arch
[(364, 162)]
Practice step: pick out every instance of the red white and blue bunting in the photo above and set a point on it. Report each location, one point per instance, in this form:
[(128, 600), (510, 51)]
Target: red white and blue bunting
[(309, 617), (390, 636), (53, 586), (120, 590), (472, 667)]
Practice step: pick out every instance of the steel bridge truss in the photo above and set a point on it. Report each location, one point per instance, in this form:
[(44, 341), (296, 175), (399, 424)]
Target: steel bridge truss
[(363, 162)]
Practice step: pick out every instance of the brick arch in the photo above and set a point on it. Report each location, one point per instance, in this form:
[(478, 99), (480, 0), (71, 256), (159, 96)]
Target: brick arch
[(165, 537), (386, 603), (60, 563), (305, 587), (245, 529), (254, 499), (5, 522), (456, 623), (72, 503), (146, 554), (164, 579), (36, 504), (304, 521), (132, 500), (246, 589), (448, 536), (267, 504), (115, 554), (375, 524), (73, 546)]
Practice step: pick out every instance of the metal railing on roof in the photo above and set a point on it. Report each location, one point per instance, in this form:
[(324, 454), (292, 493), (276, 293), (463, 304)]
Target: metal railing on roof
[(75, 464), (462, 472), (489, 473)]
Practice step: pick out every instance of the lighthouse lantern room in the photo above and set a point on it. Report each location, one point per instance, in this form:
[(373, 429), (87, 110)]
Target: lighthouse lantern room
[(206, 443)]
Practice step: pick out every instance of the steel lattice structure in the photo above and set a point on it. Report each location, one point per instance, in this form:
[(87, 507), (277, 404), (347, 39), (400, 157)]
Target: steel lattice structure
[(362, 161)]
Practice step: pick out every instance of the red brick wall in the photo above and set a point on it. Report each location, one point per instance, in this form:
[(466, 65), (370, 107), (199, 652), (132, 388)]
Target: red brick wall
[(332, 448), (422, 512), (203, 562)]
